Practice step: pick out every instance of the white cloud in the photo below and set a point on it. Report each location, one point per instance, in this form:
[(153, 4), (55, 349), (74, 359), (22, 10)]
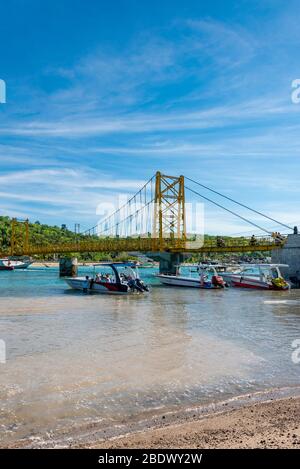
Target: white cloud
[(114, 109), (212, 118)]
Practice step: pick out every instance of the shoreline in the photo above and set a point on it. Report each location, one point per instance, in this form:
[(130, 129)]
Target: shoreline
[(271, 423), (262, 419)]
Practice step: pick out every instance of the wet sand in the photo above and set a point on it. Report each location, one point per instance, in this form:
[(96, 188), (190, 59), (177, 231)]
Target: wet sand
[(259, 420), (273, 424)]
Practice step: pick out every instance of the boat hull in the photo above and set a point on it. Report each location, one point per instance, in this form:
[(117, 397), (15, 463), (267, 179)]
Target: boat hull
[(178, 281), (253, 283), (3, 267), (6, 264), (22, 265), (82, 284)]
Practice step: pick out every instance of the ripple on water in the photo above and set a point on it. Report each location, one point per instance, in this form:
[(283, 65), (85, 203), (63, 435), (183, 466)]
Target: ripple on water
[(75, 358)]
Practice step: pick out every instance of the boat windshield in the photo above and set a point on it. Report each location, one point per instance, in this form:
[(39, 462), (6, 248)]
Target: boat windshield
[(127, 272), (275, 273), (265, 271), (253, 270), (208, 271)]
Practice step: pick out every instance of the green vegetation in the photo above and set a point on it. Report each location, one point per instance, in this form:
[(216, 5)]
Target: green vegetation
[(41, 234)]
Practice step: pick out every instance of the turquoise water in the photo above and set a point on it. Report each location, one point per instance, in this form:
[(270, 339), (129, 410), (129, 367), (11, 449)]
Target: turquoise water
[(75, 360)]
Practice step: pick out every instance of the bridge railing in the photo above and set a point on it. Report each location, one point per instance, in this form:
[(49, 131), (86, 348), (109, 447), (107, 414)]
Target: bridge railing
[(98, 245), (259, 243), (218, 244)]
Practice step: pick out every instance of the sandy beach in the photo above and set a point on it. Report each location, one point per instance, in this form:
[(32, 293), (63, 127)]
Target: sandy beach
[(273, 424)]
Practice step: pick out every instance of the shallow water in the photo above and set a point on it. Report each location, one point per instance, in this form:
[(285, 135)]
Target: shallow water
[(74, 359)]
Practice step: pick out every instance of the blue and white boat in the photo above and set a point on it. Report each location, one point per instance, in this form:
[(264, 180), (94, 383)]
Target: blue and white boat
[(207, 278)]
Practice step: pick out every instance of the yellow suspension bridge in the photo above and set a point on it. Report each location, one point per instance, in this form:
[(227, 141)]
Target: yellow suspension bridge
[(153, 220)]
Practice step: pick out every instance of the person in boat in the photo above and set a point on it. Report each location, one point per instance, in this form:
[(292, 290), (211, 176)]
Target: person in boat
[(130, 281), (122, 277), (107, 278), (220, 242), (274, 273), (203, 278)]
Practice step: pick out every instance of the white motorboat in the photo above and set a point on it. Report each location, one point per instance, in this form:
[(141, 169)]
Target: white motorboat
[(207, 277), (257, 276), (10, 264), (117, 278)]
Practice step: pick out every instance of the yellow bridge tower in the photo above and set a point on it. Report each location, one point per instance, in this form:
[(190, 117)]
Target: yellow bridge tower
[(169, 210)]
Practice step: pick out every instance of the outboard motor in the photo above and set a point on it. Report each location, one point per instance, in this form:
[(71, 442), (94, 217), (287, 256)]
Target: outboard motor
[(138, 285), (217, 281), (141, 285)]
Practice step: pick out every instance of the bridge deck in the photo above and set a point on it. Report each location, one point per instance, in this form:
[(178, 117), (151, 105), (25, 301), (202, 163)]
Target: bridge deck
[(145, 245)]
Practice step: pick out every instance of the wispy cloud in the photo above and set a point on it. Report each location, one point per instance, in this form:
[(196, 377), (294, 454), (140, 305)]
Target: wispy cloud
[(211, 118), (198, 97), (74, 194)]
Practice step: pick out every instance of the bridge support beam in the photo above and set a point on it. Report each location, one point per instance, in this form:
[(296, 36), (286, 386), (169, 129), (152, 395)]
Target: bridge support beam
[(68, 267), (289, 254)]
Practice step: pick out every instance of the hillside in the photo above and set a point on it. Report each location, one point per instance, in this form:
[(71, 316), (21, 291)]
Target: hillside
[(46, 234)]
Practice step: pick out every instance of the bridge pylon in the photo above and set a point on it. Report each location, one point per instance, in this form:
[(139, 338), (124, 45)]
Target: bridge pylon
[(169, 211)]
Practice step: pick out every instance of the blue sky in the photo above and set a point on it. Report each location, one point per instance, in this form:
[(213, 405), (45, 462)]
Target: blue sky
[(101, 94)]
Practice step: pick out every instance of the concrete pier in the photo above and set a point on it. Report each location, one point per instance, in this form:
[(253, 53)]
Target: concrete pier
[(289, 254), (168, 261), (68, 267)]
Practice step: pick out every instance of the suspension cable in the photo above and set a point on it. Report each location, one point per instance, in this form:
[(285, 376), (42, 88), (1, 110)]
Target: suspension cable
[(128, 217), (122, 207), (239, 203), (227, 210)]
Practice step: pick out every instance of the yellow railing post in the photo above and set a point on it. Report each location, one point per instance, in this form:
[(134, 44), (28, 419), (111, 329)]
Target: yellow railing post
[(26, 243), (13, 236)]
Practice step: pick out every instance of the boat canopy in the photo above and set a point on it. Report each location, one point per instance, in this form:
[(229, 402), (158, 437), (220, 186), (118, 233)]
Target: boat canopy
[(130, 269)]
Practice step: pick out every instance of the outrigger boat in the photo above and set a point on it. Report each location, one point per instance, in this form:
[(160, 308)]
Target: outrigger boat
[(258, 276), (119, 278), (207, 278), (10, 264)]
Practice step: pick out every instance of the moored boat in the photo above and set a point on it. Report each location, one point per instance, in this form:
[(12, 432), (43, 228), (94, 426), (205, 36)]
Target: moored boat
[(257, 276), (207, 278), (117, 278), (10, 264)]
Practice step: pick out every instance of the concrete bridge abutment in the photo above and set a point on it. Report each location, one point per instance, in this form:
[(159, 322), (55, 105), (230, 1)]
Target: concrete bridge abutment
[(168, 261), (68, 267), (289, 254)]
